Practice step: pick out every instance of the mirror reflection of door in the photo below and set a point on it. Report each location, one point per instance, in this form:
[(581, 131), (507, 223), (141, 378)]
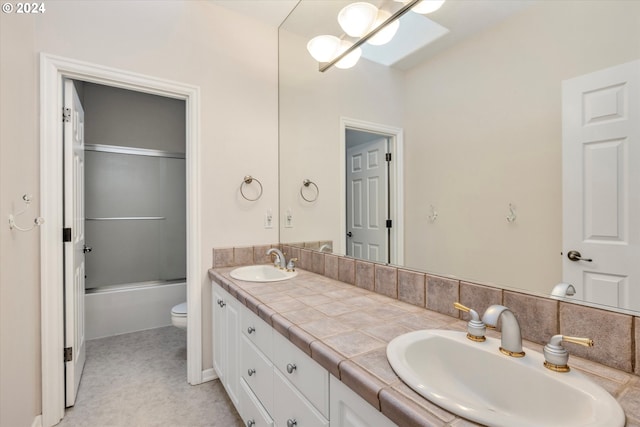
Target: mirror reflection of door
[(367, 192), (601, 206)]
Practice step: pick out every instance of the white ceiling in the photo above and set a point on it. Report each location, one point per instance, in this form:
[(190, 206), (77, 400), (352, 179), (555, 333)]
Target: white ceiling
[(309, 18), (272, 12)]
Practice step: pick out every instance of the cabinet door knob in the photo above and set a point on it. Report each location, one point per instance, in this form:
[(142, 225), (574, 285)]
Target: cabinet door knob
[(251, 329), (222, 303), (291, 422), (291, 367), (251, 371), (251, 423)]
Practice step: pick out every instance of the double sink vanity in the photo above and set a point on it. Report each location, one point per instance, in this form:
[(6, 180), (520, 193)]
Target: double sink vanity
[(300, 349)]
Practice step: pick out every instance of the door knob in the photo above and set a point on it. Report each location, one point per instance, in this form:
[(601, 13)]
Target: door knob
[(349, 234), (86, 249), (577, 256)]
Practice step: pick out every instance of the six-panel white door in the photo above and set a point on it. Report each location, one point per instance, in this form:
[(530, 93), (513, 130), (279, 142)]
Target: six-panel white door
[(74, 249), (367, 201), (601, 185)]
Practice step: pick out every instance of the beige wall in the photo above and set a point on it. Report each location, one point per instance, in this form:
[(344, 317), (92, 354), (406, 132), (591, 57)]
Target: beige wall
[(311, 105), (233, 59), (488, 113)]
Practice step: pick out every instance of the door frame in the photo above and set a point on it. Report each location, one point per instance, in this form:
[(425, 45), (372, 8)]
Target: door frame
[(53, 69), (396, 201)]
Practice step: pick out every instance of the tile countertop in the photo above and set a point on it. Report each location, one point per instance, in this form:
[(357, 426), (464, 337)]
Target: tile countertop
[(346, 330)]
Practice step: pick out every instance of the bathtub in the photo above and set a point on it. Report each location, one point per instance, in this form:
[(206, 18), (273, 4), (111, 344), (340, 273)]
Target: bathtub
[(120, 309)]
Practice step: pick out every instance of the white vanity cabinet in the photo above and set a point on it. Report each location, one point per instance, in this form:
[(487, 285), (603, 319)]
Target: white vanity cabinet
[(226, 341), (271, 382), (350, 410), (302, 372), (257, 372)]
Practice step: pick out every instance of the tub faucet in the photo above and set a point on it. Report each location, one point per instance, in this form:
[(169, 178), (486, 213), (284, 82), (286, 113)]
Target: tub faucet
[(511, 339), (279, 260)]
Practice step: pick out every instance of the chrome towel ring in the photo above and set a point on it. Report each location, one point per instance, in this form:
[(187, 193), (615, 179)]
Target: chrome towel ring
[(305, 184), (248, 179)]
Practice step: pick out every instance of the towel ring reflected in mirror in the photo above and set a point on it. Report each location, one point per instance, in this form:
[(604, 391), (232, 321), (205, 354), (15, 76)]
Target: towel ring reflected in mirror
[(306, 184), (248, 179)]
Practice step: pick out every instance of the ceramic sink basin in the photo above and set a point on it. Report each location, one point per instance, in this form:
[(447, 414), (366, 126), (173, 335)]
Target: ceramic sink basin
[(475, 381), (262, 273)]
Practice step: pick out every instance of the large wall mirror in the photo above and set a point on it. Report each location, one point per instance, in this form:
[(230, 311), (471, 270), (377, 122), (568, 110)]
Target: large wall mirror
[(469, 104)]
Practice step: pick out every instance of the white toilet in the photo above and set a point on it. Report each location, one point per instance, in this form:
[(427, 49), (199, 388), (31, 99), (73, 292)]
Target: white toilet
[(179, 316)]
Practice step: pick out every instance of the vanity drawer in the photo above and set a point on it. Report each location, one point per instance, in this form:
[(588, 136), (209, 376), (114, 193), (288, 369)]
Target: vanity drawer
[(303, 372), (258, 332), (291, 408), (251, 411), (257, 371)]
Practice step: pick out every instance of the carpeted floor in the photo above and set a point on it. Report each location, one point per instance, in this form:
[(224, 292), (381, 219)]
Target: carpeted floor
[(140, 380)]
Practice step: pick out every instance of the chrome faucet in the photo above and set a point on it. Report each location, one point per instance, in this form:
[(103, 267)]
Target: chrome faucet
[(279, 260), (511, 339)]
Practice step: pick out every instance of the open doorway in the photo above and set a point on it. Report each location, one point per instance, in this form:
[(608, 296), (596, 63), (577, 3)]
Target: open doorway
[(54, 71), (125, 213), (372, 186)]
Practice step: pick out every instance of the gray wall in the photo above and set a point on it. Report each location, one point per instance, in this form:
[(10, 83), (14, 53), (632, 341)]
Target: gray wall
[(125, 185), (133, 119)]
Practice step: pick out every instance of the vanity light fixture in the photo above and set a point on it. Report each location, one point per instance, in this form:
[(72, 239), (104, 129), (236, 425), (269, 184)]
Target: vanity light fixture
[(356, 19), (426, 6), (362, 20)]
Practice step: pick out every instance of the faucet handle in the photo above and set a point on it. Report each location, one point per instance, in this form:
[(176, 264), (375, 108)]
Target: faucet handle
[(556, 356), (475, 328), (291, 266)]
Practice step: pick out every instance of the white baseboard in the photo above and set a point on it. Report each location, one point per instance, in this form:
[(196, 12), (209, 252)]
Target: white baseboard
[(37, 421), (209, 375)]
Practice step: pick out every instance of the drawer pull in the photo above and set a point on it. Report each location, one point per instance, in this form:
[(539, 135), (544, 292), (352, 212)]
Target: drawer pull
[(291, 367), (251, 330), (292, 422), (251, 423), (251, 371)]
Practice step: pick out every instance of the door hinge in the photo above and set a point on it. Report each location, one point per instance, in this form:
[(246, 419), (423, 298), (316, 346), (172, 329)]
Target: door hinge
[(66, 234), (389, 223), (66, 115), (68, 354), (387, 157)]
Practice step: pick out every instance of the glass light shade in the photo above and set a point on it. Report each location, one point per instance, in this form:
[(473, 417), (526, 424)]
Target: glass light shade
[(427, 6), (351, 59), (356, 19), (386, 34), (324, 48)]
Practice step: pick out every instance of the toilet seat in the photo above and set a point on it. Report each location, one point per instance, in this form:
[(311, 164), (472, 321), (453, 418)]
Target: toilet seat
[(179, 315)]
